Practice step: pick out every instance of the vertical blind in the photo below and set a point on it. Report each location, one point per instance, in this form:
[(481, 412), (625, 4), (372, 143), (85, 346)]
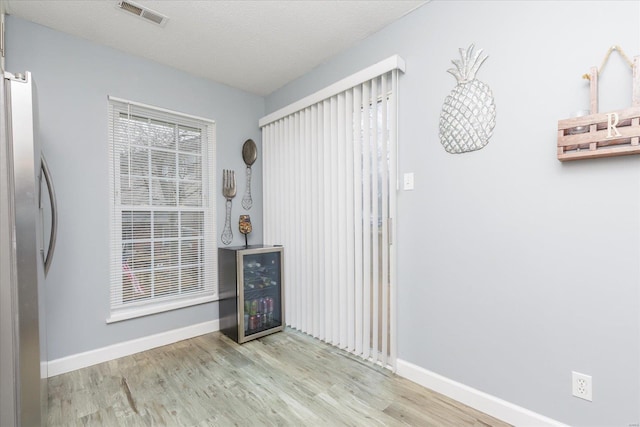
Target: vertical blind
[(329, 198), (162, 209)]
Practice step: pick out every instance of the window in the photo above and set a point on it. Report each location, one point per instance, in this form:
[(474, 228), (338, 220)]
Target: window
[(163, 242)]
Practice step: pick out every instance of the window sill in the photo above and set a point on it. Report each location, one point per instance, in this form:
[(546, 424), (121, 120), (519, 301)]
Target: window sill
[(135, 312)]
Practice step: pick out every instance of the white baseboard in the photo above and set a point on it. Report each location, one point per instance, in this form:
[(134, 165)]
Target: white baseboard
[(491, 405), (104, 354)]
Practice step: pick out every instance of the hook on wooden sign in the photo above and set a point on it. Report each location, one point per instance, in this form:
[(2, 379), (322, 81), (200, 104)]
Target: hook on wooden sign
[(614, 48)]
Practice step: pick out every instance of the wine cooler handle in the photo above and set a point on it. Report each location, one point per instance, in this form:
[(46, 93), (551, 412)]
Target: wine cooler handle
[(54, 213)]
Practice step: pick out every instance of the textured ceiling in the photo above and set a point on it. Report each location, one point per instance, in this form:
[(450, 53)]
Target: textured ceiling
[(257, 46)]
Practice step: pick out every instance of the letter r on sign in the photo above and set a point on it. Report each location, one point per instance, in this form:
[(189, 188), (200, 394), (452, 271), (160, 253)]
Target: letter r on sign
[(611, 125)]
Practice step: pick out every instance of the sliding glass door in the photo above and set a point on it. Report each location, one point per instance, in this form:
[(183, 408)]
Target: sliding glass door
[(329, 199)]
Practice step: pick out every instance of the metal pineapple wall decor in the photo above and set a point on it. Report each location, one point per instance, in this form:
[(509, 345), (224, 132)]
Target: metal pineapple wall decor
[(469, 114)]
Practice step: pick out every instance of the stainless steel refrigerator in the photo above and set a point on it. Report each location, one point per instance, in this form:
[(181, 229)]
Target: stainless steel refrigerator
[(24, 203)]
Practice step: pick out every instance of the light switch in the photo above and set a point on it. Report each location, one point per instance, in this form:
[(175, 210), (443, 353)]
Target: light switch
[(408, 181)]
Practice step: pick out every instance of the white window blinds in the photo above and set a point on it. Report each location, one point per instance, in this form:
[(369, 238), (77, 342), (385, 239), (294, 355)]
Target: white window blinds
[(329, 165), (163, 245)]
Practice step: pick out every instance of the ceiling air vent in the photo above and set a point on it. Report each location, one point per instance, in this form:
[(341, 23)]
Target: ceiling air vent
[(143, 12)]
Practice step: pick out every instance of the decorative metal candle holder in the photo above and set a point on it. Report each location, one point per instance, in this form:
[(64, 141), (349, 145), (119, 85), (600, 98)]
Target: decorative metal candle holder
[(245, 227)]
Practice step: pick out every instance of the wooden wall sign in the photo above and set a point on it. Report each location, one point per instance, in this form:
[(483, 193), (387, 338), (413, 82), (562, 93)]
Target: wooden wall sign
[(616, 133)]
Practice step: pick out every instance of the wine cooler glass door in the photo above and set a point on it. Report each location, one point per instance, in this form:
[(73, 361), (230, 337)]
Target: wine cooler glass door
[(262, 274)]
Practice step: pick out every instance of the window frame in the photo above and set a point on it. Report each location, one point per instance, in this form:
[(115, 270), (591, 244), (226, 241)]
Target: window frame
[(207, 280)]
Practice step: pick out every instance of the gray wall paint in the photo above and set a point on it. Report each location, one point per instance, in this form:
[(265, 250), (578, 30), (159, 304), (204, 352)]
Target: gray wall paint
[(513, 268), (73, 78)]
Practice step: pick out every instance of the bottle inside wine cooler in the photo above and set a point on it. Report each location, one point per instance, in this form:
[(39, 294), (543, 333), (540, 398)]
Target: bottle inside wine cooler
[(270, 310)]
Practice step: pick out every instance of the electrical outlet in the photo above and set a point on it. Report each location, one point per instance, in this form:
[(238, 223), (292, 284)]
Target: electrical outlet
[(582, 386)]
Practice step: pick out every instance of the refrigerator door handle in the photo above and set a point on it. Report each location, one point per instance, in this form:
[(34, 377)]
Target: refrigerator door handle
[(54, 213)]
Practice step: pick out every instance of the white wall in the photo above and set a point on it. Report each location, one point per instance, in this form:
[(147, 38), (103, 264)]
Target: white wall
[(515, 269), (73, 78)]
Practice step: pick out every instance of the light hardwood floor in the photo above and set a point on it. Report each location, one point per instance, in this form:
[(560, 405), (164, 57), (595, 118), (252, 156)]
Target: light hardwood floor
[(284, 379)]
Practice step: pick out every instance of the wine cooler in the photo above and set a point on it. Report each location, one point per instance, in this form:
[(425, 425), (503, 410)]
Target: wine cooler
[(251, 291)]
